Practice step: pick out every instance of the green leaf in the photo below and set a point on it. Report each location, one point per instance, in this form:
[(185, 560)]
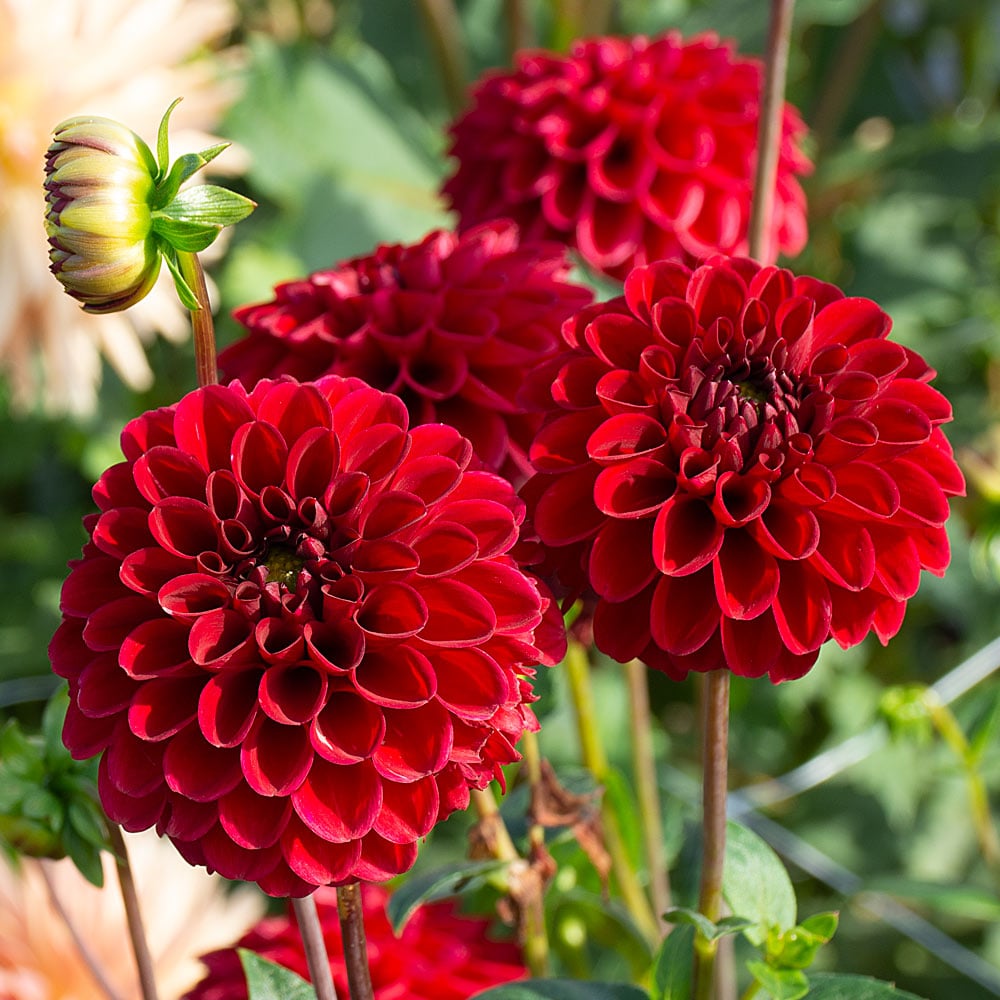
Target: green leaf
[(163, 141), (185, 237), (755, 883), (182, 169), (52, 725), (267, 980), (438, 884), (822, 925), (672, 969), (782, 984), (208, 205), (86, 818), (84, 855), (19, 756), (188, 299), (832, 986), (561, 989), (710, 931)]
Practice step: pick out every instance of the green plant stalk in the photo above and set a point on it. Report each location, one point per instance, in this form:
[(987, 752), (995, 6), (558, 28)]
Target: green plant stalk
[(520, 33), (133, 914), (647, 788), (444, 30), (314, 945), (352, 931), (577, 668), (946, 724), (715, 770), (573, 19), (201, 320), (769, 131), (751, 991), (536, 940)]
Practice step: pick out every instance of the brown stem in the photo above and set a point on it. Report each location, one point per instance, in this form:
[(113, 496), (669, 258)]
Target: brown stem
[(444, 29), (520, 33), (88, 957), (133, 914), (352, 929), (769, 130), (715, 764), (647, 787), (201, 320), (314, 945), (536, 940), (492, 828)]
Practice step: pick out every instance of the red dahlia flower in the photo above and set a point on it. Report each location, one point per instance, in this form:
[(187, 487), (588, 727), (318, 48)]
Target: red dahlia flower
[(439, 954), (741, 466), (450, 324), (295, 634), (631, 150)]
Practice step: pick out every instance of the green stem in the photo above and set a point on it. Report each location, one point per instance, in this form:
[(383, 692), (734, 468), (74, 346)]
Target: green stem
[(751, 991), (715, 765), (595, 760), (444, 30), (201, 320), (493, 829), (133, 914), (647, 787), (536, 939), (314, 945), (352, 930), (520, 34), (769, 130)]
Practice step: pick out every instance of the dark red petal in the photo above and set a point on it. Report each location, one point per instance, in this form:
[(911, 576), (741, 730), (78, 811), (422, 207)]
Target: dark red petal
[(135, 767), (686, 536), (393, 610), (147, 570), (162, 707), (845, 554), (621, 559), (184, 819), (746, 577), (869, 489), (400, 677), (205, 421), (417, 742), (275, 759), (334, 646), (786, 530), (68, 653), (566, 512), (103, 688), (190, 595), (513, 597), (470, 683), (294, 409), (389, 513), (196, 769), (381, 861), (739, 499), (348, 730), (231, 861), (622, 630), (444, 548), (122, 530), (168, 472), (408, 812), (184, 526), (259, 454), (129, 812), (919, 493), (897, 564), (684, 612), (429, 477), (279, 640), (632, 489), (456, 614), (227, 706), (222, 639), (292, 694), (751, 648), (802, 608), (490, 520), (315, 859), (561, 444), (853, 614), (339, 802), (110, 625), (84, 736), (91, 584)]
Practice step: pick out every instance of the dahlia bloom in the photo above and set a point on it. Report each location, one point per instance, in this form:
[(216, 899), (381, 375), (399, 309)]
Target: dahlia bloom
[(439, 955), (630, 150), (127, 59), (295, 635), (184, 910), (450, 324), (740, 465)]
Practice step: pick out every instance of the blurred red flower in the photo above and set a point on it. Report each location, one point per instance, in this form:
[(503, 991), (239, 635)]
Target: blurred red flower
[(295, 634), (450, 324), (439, 955), (630, 150), (741, 466)]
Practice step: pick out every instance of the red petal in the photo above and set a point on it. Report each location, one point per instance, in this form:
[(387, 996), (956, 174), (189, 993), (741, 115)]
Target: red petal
[(845, 554), (686, 536), (348, 730), (253, 821), (275, 758), (227, 706), (393, 610), (633, 489), (684, 613), (184, 527), (205, 421), (408, 812), (164, 706), (316, 860), (802, 608), (621, 560), (313, 461), (190, 595), (399, 677), (292, 694), (168, 472), (196, 769), (339, 802), (622, 630), (469, 683), (751, 648), (417, 742), (381, 861), (456, 614), (746, 577)]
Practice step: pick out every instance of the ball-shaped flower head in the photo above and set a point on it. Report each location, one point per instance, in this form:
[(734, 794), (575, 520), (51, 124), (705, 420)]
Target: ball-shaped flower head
[(450, 324), (295, 635), (438, 955), (99, 187), (740, 465), (630, 150)]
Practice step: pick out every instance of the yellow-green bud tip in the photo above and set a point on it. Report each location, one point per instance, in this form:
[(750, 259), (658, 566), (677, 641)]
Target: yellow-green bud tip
[(100, 179)]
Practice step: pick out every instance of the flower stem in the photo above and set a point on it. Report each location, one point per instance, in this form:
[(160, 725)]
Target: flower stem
[(769, 131), (492, 827), (647, 787), (444, 29), (536, 939), (89, 958), (595, 760), (314, 945), (201, 320), (133, 914), (352, 929), (715, 754), (520, 34)]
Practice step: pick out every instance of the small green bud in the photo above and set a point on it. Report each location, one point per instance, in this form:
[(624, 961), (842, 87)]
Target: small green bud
[(99, 183), (114, 211)]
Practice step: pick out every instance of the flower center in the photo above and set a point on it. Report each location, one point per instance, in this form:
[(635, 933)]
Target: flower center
[(283, 565)]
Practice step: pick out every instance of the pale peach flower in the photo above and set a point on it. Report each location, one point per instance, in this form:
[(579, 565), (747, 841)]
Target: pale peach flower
[(122, 59), (185, 912)]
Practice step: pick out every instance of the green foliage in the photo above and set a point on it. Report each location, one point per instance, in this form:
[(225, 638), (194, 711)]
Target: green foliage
[(672, 979), (562, 989), (439, 884), (268, 981), (829, 986)]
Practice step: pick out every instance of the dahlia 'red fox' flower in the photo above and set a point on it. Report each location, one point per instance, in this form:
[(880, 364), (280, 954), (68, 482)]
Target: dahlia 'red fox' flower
[(295, 635), (439, 955), (630, 150), (740, 465), (450, 324)]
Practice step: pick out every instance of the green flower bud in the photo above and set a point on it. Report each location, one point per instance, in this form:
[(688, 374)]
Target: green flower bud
[(100, 181)]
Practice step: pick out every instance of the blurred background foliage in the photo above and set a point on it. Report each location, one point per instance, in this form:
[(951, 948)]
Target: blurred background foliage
[(343, 117)]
